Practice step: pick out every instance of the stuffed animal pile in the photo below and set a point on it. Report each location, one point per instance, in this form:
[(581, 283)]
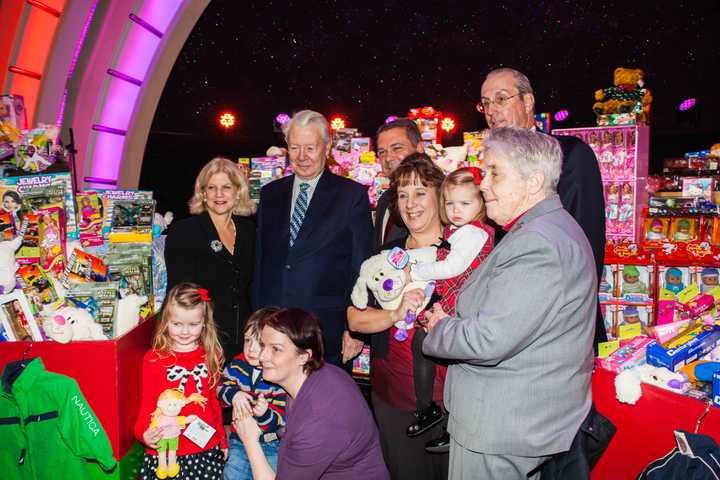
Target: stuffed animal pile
[(627, 95)]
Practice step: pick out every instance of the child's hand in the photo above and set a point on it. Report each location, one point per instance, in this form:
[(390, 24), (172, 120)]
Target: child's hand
[(152, 436), (261, 406), (247, 429), (406, 274), (241, 403)]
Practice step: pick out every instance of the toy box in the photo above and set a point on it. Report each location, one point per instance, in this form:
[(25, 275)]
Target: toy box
[(12, 111), (674, 279), (697, 187), (716, 389), (608, 283), (683, 229), (695, 344), (629, 355), (635, 282)]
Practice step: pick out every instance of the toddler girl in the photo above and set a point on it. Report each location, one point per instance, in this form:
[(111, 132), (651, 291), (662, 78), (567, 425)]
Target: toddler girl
[(185, 356), (466, 242)]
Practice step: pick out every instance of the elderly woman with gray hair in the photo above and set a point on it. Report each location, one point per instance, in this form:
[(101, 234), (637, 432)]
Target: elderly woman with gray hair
[(521, 343)]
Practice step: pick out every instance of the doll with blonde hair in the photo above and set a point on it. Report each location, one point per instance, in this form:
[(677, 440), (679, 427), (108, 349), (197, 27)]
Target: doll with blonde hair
[(182, 371)]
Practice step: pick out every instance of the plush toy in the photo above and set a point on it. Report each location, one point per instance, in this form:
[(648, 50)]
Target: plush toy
[(8, 265), (161, 222), (167, 416), (628, 95), (381, 275), (128, 314), (448, 159), (71, 323), (627, 382)]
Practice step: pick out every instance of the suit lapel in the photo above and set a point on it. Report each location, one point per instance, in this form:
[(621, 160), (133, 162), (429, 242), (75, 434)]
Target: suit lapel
[(279, 212), (317, 214)]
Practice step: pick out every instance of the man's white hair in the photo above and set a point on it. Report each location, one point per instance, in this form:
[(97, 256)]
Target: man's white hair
[(305, 118), (527, 152)]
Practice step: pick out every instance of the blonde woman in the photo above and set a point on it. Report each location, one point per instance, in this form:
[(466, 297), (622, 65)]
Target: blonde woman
[(215, 247)]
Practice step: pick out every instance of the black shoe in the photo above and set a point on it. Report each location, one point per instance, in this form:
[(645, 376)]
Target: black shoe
[(439, 445), (427, 418)]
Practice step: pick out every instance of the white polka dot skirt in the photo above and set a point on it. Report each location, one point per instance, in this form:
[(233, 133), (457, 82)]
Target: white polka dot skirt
[(207, 465)]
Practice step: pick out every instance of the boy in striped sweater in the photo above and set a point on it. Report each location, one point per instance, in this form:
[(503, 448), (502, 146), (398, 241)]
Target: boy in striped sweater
[(243, 388)]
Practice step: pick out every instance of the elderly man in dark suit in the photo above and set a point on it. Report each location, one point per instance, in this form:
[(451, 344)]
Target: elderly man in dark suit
[(508, 100), (521, 341), (313, 233), (395, 141)]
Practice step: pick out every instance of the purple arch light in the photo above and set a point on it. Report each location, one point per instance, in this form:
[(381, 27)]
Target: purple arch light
[(391, 118), (561, 115), (134, 61), (282, 118), (687, 104)]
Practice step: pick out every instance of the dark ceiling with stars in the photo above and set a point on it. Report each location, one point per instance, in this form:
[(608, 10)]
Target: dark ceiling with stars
[(368, 60)]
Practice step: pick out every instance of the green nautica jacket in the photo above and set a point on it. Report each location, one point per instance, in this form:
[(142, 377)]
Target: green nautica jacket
[(47, 429)]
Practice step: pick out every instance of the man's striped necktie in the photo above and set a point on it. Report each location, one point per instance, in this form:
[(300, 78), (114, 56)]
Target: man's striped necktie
[(301, 206)]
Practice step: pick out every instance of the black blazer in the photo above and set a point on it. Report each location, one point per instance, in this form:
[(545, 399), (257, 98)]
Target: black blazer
[(318, 272), (227, 278), (397, 230), (581, 193)]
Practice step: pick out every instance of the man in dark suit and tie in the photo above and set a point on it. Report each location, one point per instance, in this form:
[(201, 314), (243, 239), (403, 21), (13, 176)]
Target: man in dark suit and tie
[(508, 100), (313, 233), (395, 141)]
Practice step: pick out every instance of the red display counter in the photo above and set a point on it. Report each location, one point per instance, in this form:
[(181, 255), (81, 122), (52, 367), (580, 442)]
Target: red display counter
[(645, 430), (109, 374)]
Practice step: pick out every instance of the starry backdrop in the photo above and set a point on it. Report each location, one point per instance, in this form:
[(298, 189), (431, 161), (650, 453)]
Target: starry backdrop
[(368, 60)]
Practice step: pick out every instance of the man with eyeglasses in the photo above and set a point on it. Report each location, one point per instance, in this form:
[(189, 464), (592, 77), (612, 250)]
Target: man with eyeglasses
[(508, 100), (395, 141)]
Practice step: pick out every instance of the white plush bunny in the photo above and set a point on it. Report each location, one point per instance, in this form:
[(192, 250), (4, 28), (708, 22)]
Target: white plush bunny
[(8, 265)]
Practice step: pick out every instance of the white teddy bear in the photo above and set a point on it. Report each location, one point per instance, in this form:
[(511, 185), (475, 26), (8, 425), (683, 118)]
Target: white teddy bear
[(128, 314), (71, 323), (448, 159), (8, 265), (387, 283), (627, 382)]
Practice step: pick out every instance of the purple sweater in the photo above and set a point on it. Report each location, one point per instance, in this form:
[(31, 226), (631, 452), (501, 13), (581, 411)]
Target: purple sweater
[(331, 433)]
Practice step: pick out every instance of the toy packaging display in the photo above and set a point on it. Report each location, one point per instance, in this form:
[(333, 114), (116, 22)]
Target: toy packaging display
[(100, 299), (132, 221), (428, 121), (628, 96), (264, 170), (12, 111), (473, 143), (37, 286), (17, 318), (83, 267), (108, 199), (631, 353), (89, 218), (690, 345), (622, 153), (51, 228)]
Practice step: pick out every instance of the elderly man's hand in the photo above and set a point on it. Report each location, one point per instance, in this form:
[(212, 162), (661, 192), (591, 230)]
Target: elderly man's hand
[(433, 316), (351, 347)]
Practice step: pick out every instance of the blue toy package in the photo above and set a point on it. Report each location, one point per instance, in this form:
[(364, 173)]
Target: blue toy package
[(677, 356), (716, 389)]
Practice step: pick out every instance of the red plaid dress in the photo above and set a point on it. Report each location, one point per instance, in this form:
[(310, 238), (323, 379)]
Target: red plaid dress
[(448, 289)]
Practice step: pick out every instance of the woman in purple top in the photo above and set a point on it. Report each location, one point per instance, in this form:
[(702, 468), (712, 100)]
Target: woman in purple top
[(330, 431)]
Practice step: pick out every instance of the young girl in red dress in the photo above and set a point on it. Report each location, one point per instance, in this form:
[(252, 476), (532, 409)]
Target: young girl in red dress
[(186, 357), (466, 242)]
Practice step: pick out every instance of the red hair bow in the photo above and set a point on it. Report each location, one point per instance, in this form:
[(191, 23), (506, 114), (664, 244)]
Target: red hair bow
[(477, 175), (204, 296)]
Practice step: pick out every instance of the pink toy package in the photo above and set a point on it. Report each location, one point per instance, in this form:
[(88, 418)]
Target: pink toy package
[(612, 206), (630, 354)]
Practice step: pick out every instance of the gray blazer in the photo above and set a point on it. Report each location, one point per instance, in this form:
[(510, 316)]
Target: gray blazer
[(523, 340)]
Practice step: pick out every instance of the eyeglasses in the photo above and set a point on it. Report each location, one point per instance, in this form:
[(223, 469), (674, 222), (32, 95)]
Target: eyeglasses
[(500, 100)]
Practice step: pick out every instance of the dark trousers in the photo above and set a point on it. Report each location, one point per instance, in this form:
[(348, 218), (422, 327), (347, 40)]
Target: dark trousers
[(423, 372), (406, 457)]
